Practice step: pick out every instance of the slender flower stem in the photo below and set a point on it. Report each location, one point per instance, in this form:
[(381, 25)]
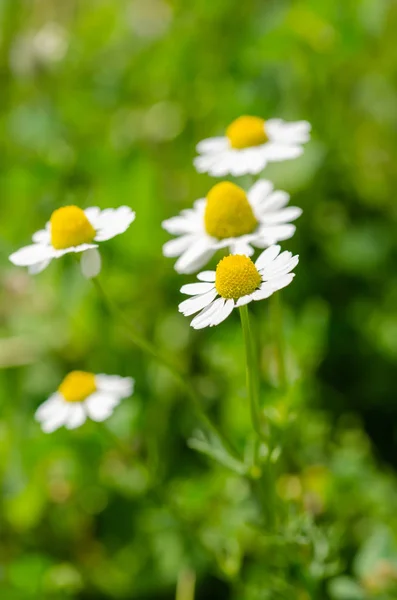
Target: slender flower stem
[(185, 585), (152, 351), (252, 371), (278, 335), (264, 484)]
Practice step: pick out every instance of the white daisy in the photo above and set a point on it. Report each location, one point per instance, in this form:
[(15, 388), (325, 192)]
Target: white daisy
[(71, 229), (236, 281), (83, 395), (230, 218), (249, 144)]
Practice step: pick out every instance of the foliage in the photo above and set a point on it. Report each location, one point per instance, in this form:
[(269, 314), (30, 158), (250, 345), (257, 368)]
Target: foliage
[(102, 103)]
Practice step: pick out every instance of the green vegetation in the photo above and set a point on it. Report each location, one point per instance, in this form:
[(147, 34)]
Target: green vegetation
[(101, 104)]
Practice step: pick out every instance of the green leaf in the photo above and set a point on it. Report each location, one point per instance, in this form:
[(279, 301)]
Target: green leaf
[(345, 588)]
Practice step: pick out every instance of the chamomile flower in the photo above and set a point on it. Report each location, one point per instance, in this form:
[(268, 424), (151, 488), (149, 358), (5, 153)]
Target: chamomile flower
[(230, 218), (83, 395), (71, 229), (249, 144), (236, 281)]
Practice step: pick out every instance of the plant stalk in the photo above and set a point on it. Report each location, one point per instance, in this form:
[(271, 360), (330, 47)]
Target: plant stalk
[(180, 377)]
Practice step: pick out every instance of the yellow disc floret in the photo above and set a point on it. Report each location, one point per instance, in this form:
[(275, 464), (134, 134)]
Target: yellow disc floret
[(246, 131), (236, 276), (228, 212), (70, 227), (77, 386)]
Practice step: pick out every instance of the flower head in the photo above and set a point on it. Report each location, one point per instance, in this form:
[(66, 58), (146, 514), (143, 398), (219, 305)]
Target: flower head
[(71, 229), (230, 218), (249, 144), (81, 395), (236, 281)]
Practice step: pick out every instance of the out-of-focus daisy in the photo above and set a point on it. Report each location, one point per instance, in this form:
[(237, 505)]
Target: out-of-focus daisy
[(71, 229), (230, 218), (83, 395), (249, 144), (236, 281)]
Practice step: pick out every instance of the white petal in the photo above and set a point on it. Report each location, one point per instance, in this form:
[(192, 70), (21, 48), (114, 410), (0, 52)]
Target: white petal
[(297, 132), (92, 215), (235, 162), (240, 163), (280, 262), (274, 201), (282, 216), (277, 152), (42, 237), (265, 292), (282, 282), (280, 266), (73, 249), (192, 305), (245, 300), (122, 387), (90, 263), (206, 276), (250, 160), (222, 163), (57, 419), (203, 319), (241, 247), (194, 289), (214, 144), (31, 255), (189, 221), (177, 246), (38, 267), (259, 191), (227, 165), (268, 235), (222, 313), (49, 407), (112, 222), (196, 256), (267, 257), (269, 287), (214, 164), (99, 405), (76, 416)]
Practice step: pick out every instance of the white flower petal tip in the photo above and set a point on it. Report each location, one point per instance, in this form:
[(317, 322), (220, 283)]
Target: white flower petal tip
[(85, 229), (111, 222), (83, 395), (216, 223), (91, 263), (29, 256), (217, 293), (249, 145)]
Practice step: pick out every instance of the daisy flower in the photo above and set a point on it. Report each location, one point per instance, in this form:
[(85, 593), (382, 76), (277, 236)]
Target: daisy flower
[(249, 144), (236, 281), (71, 229), (83, 395), (230, 218)]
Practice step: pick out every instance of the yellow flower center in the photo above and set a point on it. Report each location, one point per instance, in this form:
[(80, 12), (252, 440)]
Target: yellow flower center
[(70, 227), (228, 212), (77, 386), (236, 276), (246, 131)]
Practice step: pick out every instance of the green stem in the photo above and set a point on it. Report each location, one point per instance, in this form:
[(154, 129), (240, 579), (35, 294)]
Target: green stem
[(264, 484), (186, 584), (152, 351), (252, 372), (276, 316)]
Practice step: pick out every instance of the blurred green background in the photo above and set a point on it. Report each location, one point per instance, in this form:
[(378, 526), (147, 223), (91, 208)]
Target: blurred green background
[(102, 103)]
